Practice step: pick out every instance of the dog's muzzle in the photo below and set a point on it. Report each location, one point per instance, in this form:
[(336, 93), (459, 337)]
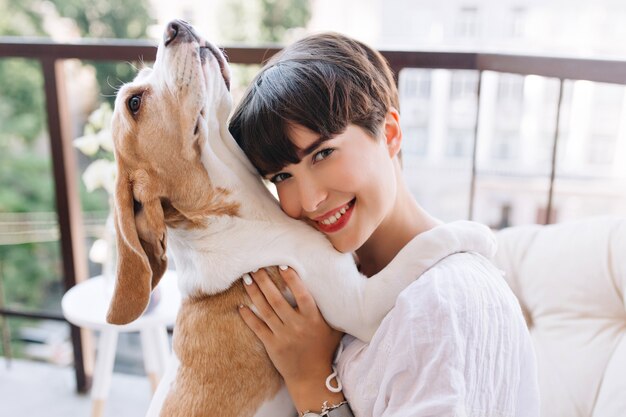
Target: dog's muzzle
[(179, 31)]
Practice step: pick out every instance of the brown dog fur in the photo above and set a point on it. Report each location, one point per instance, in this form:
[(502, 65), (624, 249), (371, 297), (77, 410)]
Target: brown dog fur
[(224, 369), (224, 349)]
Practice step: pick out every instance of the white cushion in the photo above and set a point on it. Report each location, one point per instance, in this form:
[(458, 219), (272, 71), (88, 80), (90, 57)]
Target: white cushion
[(570, 279)]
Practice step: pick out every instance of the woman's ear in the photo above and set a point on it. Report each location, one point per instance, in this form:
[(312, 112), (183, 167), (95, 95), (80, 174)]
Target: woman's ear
[(393, 132)]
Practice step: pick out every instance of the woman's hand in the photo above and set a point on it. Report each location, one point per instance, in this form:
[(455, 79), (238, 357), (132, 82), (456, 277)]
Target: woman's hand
[(298, 340)]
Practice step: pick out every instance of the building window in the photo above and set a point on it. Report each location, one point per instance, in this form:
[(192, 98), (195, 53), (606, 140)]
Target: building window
[(505, 145), (518, 22), (510, 88), (466, 23), (460, 143), (463, 85), (605, 120), (601, 149), (415, 141), (415, 83), (510, 101)]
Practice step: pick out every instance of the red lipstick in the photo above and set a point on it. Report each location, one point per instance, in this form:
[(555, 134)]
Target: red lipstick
[(339, 224)]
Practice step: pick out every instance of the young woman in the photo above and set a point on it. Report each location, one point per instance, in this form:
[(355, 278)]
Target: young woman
[(321, 122)]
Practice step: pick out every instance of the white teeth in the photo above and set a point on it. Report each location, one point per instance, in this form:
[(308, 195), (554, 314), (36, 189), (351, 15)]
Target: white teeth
[(333, 218)]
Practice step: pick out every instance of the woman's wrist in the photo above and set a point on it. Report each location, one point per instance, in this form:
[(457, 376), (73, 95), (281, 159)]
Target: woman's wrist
[(310, 393)]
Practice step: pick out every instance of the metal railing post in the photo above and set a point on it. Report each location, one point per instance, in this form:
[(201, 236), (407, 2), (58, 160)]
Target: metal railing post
[(67, 203), (555, 145), (470, 215)]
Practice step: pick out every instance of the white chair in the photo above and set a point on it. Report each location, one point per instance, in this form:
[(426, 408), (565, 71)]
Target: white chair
[(86, 304), (570, 280)]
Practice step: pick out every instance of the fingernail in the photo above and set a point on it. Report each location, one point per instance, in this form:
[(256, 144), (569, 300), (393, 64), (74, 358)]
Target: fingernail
[(240, 306), (283, 267), (247, 279)]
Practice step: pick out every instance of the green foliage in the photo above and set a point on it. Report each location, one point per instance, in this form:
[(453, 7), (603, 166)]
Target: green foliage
[(31, 272), (22, 102), (118, 19), (107, 19), (21, 18), (28, 269), (25, 182), (111, 75), (277, 16), (21, 83), (254, 21)]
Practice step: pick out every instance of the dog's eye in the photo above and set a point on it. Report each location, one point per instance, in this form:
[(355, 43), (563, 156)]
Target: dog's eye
[(134, 103)]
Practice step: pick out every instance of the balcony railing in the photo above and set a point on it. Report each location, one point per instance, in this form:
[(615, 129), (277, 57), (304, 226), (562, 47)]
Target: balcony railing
[(51, 56)]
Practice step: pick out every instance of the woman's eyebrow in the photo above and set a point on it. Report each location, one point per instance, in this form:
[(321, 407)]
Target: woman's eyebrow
[(304, 152)]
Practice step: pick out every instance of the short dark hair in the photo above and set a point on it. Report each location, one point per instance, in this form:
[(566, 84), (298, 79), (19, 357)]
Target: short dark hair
[(322, 82)]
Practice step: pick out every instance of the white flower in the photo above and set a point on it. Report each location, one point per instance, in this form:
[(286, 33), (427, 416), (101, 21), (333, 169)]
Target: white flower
[(97, 134), (98, 251), (95, 118), (87, 144), (105, 139), (100, 173), (101, 117), (109, 177)]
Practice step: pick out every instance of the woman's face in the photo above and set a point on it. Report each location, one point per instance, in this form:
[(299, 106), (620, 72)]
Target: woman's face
[(344, 187)]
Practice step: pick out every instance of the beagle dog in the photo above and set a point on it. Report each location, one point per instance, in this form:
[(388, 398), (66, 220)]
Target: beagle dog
[(183, 182)]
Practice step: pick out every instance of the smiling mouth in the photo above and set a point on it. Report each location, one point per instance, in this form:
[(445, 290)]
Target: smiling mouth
[(336, 221)]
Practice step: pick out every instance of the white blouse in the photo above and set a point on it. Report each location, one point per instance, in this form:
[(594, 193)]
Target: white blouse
[(455, 344)]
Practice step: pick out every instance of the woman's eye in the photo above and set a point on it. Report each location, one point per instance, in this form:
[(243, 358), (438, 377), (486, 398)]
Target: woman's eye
[(134, 103), (279, 177), (323, 154)]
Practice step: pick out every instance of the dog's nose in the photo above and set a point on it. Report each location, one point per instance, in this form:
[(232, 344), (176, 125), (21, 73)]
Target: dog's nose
[(171, 32), (178, 30)]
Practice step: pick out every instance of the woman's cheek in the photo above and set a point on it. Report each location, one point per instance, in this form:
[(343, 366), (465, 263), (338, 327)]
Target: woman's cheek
[(288, 202)]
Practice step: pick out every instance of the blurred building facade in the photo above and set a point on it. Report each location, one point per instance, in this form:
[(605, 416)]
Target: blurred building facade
[(517, 114)]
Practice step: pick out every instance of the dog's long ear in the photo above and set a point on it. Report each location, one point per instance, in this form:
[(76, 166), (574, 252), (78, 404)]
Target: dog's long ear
[(141, 252), (150, 223)]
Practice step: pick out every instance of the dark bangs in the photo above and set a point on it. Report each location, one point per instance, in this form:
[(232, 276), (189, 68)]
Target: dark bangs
[(278, 98), (322, 83)]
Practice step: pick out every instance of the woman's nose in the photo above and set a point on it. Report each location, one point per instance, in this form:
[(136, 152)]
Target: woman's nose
[(312, 194)]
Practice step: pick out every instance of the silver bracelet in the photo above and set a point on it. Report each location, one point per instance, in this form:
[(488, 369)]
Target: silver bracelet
[(336, 410)]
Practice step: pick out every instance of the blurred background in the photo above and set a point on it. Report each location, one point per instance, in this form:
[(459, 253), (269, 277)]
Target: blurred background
[(516, 127)]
